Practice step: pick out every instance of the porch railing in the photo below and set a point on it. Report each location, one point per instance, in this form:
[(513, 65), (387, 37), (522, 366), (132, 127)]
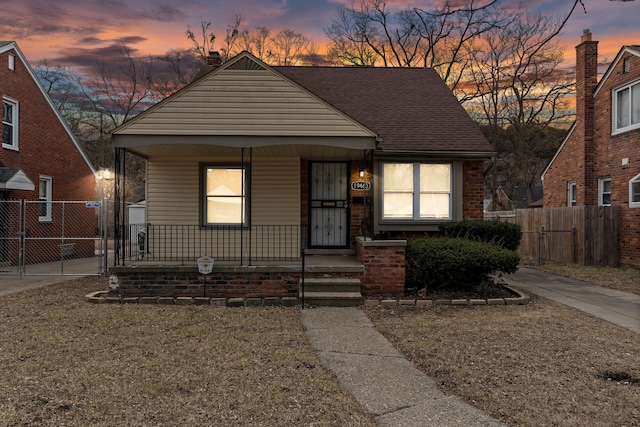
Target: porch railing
[(186, 243)]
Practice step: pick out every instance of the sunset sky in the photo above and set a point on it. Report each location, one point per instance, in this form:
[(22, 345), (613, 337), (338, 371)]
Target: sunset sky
[(77, 32)]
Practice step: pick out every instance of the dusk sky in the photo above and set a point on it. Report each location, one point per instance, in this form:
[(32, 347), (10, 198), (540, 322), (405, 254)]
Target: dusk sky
[(77, 32)]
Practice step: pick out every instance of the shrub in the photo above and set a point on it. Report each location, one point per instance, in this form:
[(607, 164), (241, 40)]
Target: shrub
[(499, 233), (437, 263)]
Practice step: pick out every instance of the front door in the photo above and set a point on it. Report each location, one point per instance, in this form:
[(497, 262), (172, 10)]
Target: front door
[(329, 213)]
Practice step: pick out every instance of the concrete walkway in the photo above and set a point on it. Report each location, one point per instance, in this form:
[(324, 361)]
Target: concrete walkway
[(386, 385), (620, 308)]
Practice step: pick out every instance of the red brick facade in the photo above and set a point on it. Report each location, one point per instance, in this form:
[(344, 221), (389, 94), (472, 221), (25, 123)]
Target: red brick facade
[(45, 148), (591, 152)]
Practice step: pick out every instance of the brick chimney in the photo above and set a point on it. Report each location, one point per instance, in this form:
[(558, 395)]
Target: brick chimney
[(214, 59), (586, 82)]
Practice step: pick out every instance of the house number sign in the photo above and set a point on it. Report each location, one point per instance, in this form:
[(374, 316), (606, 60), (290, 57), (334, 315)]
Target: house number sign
[(360, 185)]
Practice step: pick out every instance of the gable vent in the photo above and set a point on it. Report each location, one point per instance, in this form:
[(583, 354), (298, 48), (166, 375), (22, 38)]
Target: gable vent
[(245, 64)]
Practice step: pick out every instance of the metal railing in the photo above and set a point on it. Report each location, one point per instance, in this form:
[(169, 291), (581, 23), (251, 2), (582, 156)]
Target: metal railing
[(186, 243)]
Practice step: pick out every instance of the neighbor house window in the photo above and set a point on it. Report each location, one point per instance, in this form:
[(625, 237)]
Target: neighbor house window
[(604, 192), (572, 188), (416, 191), (634, 192), (10, 123), (12, 62), (45, 198), (225, 199), (626, 108)]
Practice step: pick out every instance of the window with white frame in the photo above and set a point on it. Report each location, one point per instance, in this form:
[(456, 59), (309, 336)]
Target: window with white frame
[(10, 123), (225, 197), (626, 108), (604, 192), (12, 62), (572, 189), (634, 192), (44, 196), (416, 191)]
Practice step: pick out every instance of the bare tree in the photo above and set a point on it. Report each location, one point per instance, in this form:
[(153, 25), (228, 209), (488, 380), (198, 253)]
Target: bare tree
[(374, 34), (59, 84), (289, 48), (256, 41), (520, 96), (204, 41)]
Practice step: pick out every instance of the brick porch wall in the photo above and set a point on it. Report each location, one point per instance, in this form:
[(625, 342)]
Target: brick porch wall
[(385, 266)]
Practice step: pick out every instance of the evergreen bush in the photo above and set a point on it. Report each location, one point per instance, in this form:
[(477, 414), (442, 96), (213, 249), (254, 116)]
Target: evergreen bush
[(498, 233), (454, 263)]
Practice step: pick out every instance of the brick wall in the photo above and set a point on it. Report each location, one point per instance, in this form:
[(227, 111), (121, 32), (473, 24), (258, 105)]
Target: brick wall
[(585, 158), (45, 147), (385, 266), (473, 190)]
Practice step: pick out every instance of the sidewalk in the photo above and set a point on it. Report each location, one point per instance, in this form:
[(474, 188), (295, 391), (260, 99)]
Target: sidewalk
[(381, 380), (620, 308), (12, 284)]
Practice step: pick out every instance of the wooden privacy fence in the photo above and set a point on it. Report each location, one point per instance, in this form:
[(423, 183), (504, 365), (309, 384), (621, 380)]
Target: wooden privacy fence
[(579, 234)]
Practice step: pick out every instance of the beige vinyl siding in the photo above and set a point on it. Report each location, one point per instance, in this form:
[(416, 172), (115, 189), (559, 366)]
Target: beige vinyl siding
[(275, 191), (245, 102), (173, 193)]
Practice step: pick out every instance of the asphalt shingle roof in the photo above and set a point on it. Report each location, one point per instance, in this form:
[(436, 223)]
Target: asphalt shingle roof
[(411, 109)]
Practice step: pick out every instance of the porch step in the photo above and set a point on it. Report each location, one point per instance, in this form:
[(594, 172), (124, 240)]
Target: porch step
[(332, 291)]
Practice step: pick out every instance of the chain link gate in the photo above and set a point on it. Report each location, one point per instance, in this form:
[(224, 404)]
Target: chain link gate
[(54, 238)]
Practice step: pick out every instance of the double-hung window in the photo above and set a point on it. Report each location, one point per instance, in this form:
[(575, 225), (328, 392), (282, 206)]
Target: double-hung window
[(225, 196), (634, 192), (604, 192), (45, 198), (10, 123), (572, 189), (416, 191), (626, 108)]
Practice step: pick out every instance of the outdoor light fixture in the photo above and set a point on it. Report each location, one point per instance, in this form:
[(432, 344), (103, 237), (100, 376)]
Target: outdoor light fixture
[(361, 172)]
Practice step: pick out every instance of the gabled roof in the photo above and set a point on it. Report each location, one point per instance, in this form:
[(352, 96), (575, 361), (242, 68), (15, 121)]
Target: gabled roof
[(404, 109), (15, 179), (411, 109), (632, 49), (6, 46)]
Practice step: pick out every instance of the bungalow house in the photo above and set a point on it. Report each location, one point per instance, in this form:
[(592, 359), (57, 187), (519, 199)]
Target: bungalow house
[(598, 162), (41, 164), (251, 163)]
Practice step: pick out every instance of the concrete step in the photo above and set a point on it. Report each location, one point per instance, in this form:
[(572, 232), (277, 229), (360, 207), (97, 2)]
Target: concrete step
[(332, 284), (333, 299)]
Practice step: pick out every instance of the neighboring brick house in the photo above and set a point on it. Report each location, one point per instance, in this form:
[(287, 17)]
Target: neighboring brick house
[(598, 163), (40, 159)]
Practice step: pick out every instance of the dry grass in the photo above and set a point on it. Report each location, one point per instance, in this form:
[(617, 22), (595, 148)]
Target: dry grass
[(537, 365), (621, 278), (66, 362)]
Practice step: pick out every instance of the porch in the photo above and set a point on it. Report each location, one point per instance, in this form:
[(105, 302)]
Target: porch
[(377, 266)]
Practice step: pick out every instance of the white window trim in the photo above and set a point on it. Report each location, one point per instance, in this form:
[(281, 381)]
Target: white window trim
[(15, 124), (572, 201), (12, 62), (633, 204), (47, 199), (601, 192), (614, 110), (416, 194)]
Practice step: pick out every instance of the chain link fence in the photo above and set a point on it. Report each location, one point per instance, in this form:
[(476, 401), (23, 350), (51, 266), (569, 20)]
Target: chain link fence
[(52, 238)]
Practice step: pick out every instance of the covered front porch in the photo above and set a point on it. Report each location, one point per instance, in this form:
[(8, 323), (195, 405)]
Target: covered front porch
[(378, 267)]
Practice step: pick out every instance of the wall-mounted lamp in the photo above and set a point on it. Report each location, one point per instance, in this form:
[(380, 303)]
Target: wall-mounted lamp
[(361, 172)]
